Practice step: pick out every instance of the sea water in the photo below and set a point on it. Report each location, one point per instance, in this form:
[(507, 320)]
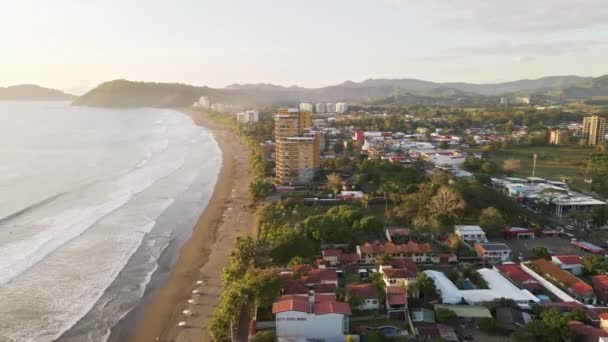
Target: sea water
[(89, 199)]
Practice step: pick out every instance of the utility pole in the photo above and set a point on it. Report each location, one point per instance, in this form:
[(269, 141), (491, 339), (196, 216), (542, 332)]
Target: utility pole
[(534, 165)]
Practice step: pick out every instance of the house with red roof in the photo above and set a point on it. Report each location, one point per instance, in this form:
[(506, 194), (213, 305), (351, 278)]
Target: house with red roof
[(331, 256), (309, 318), (493, 252), (397, 234), (600, 286), (321, 276), (519, 277), (570, 263), (587, 332), (367, 292), (396, 302), (418, 252), (404, 272), (580, 290)]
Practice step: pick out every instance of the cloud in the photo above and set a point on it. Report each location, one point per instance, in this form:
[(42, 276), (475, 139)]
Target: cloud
[(513, 16), (532, 48), (440, 58)]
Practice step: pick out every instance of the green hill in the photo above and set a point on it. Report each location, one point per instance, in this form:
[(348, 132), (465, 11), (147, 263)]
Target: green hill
[(123, 93), (30, 92)]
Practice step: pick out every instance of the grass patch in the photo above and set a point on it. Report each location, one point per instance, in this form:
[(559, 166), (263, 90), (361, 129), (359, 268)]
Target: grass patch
[(554, 162)]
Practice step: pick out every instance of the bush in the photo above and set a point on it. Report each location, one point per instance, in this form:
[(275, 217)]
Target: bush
[(487, 324), (264, 336), (446, 316)]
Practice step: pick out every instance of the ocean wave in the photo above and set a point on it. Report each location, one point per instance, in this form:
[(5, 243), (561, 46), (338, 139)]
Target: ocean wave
[(53, 231)]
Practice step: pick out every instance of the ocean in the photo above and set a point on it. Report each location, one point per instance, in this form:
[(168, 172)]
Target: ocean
[(91, 200)]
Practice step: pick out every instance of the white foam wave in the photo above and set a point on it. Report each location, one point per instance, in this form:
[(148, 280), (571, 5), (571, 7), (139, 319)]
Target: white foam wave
[(54, 231)]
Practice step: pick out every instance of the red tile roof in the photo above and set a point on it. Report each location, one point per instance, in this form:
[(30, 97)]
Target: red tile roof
[(365, 291), (600, 282), (588, 332), (324, 288), (518, 275), (569, 259), (391, 248), (301, 268), (332, 307), (318, 276), (575, 285), (406, 264), (399, 273), (348, 258), (395, 231), (396, 295), (290, 305), (321, 306), (291, 287), (331, 252)]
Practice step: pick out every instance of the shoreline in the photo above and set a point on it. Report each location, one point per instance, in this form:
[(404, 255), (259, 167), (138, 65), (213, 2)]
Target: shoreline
[(205, 254)]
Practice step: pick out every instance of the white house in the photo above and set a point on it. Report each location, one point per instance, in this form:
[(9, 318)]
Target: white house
[(493, 252), (302, 319), (570, 263), (367, 292), (498, 287), (470, 233), (396, 276)]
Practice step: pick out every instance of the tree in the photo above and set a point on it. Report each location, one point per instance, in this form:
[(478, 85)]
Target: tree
[(355, 301), (443, 145), (371, 226), (338, 147), (334, 182), (488, 167), (491, 221), (446, 202), (599, 217), (592, 263), (540, 252), (487, 324), (264, 336), (297, 260), (260, 189), (426, 286), (446, 316), (510, 166)]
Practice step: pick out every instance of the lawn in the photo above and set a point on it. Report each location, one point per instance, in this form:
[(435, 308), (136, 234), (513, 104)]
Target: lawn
[(554, 162)]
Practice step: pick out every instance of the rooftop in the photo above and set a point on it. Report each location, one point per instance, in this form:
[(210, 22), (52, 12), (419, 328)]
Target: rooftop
[(366, 291), (576, 285), (469, 229), (498, 287), (391, 248), (569, 259), (493, 246)]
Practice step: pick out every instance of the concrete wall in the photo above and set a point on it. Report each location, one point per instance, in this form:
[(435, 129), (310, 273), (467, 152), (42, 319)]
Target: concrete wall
[(299, 326)]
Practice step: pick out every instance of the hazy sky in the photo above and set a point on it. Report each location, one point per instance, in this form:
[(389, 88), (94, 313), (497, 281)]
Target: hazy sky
[(76, 44)]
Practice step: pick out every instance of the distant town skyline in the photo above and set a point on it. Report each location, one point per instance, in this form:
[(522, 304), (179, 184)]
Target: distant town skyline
[(74, 45)]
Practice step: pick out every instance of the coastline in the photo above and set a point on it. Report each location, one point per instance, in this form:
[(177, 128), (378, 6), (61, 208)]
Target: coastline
[(205, 254)]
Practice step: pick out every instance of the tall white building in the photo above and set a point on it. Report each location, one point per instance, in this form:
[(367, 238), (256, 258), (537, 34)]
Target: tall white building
[(341, 107), (320, 108), (248, 117), (204, 102), (330, 107), (306, 107)]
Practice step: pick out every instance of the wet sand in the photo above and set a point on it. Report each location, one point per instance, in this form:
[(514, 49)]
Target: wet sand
[(206, 253)]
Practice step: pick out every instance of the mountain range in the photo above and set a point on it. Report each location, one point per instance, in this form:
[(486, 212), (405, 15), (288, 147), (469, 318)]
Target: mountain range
[(32, 92), (554, 89)]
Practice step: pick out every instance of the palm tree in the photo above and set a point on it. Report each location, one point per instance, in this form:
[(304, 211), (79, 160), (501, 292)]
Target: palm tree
[(334, 182)]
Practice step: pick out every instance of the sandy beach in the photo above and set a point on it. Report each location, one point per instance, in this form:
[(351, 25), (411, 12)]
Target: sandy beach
[(206, 253)]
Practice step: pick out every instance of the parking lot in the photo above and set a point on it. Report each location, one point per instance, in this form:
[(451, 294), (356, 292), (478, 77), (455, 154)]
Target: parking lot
[(522, 248)]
